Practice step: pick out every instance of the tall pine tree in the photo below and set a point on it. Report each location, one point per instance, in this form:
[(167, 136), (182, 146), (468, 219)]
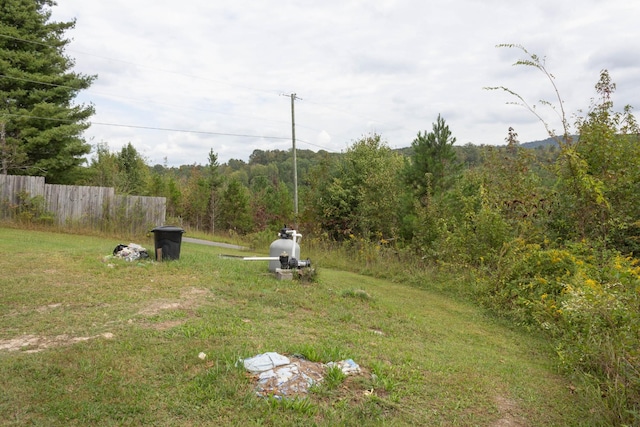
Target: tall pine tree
[(433, 160), (41, 126)]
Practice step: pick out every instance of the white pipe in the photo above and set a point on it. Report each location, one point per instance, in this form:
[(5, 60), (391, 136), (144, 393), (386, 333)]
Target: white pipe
[(295, 234)]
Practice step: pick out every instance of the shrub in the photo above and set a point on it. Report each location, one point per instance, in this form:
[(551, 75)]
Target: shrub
[(589, 303), (600, 334), (31, 210)]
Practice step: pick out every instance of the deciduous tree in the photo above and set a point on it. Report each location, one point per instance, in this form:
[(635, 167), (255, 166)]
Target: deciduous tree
[(362, 196), (609, 147), (234, 209)]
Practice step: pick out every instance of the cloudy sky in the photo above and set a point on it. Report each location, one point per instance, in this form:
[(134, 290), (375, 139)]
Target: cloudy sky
[(177, 79)]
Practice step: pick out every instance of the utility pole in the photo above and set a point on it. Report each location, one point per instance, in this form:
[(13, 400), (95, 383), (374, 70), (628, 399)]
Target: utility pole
[(295, 162)]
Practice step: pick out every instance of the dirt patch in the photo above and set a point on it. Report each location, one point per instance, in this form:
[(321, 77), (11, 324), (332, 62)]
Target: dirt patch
[(190, 298), (508, 409), (47, 308), (163, 326), (157, 307), (35, 343)]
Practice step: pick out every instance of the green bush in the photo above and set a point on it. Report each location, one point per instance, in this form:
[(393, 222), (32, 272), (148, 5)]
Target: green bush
[(599, 326), (589, 304), (31, 210)]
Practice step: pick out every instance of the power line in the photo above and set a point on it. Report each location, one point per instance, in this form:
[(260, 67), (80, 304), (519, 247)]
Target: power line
[(123, 125), (191, 131), (121, 97), (133, 99), (350, 112), (152, 128), (140, 126), (4, 76)]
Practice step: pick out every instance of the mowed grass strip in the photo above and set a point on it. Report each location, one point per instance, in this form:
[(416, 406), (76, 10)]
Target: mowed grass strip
[(90, 340)]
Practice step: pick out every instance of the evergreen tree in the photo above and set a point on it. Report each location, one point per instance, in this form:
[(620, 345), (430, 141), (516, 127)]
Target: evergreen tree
[(271, 203), (433, 159), (234, 208), (42, 127), (215, 180), (133, 172), (196, 199)]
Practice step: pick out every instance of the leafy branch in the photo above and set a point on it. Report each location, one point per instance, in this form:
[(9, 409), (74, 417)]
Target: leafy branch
[(535, 61)]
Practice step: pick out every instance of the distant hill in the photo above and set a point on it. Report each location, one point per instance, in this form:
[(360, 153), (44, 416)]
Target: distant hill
[(407, 151), (541, 143), (544, 142)]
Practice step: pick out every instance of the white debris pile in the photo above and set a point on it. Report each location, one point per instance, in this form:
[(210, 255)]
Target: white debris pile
[(348, 367), (130, 252), (280, 376)]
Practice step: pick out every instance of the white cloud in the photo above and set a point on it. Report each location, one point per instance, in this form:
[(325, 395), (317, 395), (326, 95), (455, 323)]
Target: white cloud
[(220, 68)]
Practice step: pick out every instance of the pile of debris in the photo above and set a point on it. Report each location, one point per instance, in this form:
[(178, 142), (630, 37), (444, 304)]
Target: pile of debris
[(281, 376), (130, 252)]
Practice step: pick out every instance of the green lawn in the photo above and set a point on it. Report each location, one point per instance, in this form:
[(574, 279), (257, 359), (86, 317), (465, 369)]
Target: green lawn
[(88, 340)]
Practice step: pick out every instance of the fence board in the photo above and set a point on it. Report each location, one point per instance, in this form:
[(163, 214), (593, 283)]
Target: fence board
[(81, 204), (142, 211), (85, 205), (12, 185)]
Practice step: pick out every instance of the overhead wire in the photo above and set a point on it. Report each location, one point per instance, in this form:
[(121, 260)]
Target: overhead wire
[(159, 103), (133, 126), (29, 116)]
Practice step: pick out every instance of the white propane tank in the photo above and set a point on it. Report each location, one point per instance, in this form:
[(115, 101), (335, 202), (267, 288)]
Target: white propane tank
[(284, 243)]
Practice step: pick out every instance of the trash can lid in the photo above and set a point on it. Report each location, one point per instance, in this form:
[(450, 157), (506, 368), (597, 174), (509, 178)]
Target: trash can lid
[(168, 228)]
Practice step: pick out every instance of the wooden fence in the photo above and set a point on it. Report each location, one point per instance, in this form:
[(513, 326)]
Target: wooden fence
[(73, 205)]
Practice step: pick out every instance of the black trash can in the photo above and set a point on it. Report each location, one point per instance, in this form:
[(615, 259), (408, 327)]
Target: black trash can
[(167, 240)]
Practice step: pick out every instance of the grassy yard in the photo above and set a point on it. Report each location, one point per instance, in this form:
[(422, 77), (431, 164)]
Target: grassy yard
[(88, 340)]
